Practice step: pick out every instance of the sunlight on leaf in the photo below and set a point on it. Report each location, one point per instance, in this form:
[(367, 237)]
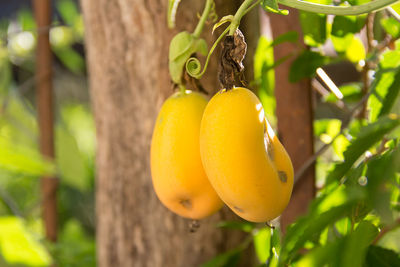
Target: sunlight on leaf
[(314, 28), (367, 137), (262, 244), (18, 246), (265, 77), (21, 159), (355, 50)]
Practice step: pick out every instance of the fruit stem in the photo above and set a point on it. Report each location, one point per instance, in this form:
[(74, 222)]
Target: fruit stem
[(182, 88), (203, 18), (243, 9)]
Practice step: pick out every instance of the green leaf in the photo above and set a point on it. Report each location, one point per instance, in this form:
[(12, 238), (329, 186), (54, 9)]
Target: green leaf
[(321, 126), (355, 50), (323, 213), (181, 48), (391, 94), (341, 43), (290, 36), (227, 259), (21, 159), (355, 248), (346, 251), (74, 246), (272, 6), (305, 65), (26, 20), (68, 11), (323, 255), (343, 25), (391, 26), (367, 137), (19, 246), (262, 244), (71, 59), (70, 161), (314, 28), (5, 71), (385, 86), (61, 37), (172, 8), (243, 226), (378, 256), (381, 170), (80, 123)]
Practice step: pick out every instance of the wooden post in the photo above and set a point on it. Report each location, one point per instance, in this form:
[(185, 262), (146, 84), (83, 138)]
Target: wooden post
[(44, 99), (295, 117)]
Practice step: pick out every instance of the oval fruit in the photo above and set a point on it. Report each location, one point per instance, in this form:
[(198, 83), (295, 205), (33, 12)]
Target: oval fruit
[(243, 158), (177, 172)]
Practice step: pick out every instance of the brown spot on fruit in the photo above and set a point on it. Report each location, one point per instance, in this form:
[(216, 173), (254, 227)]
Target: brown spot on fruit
[(186, 203), (282, 176)]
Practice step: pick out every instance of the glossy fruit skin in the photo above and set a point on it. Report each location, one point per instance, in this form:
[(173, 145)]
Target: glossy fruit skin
[(243, 158), (177, 172)]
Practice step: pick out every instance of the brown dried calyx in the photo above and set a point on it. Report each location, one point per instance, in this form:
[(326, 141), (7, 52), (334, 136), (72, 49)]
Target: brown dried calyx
[(231, 64)]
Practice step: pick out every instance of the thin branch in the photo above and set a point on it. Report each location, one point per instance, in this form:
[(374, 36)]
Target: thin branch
[(367, 67), (329, 83)]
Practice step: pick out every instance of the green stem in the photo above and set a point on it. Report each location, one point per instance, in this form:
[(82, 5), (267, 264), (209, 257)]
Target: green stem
[(203, 19), (200, 74), (243, 9), (182, 88), (251, 7), (338, 10)]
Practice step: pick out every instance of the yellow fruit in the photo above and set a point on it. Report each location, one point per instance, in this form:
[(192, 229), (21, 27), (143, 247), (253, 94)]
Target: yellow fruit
[(177, 172), (244, 160)]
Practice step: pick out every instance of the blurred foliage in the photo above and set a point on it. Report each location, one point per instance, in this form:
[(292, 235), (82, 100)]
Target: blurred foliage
[(22, 240)]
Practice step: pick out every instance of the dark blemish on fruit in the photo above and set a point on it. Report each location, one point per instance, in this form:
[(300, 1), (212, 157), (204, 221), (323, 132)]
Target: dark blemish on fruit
[(270, 150), (282, 176), (186, 203)]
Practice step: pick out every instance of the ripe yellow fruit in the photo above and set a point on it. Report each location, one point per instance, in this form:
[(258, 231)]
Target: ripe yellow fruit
[(243, 158), (177, 172)]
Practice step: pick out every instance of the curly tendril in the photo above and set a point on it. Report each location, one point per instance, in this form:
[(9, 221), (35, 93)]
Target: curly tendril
[(193, 65)]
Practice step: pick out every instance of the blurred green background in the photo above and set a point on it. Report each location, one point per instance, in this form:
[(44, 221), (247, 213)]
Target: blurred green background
[(21, 230)]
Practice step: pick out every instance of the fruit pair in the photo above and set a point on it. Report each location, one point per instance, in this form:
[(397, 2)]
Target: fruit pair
[(224, 149)]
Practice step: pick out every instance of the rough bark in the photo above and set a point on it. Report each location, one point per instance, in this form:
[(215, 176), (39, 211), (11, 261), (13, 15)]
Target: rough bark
[(127, 44), (295, 117)]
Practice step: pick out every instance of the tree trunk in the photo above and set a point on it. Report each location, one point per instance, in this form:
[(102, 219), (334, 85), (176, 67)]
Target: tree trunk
[(127, 44)]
